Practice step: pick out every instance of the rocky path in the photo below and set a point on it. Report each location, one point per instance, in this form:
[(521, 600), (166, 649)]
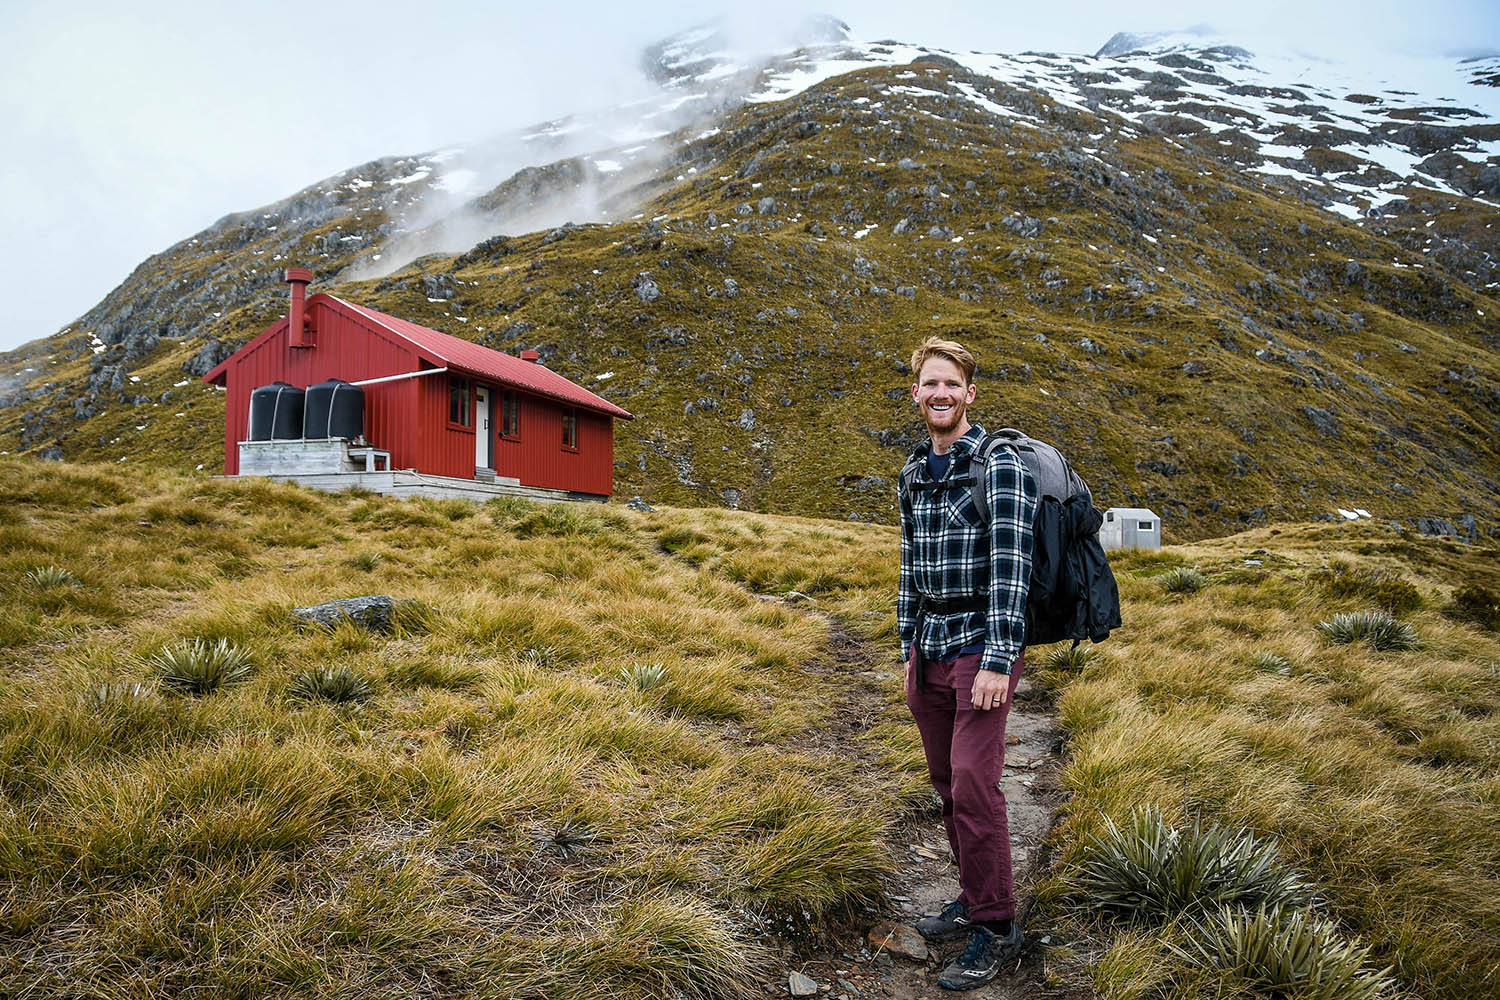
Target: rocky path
[(853, 967)]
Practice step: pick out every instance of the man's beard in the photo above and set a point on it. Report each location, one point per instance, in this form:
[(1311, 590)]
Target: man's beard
[(944, 420)]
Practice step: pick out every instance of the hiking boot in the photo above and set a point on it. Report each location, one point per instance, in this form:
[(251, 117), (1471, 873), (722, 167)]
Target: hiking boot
[(951, 923), (982, 958)]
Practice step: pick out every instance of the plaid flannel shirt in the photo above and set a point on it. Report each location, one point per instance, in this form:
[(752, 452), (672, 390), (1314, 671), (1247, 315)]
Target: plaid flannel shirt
[(947, 554)]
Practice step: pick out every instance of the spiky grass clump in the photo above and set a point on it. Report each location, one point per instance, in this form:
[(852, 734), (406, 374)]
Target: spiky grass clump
[(643, 676), (1284, 951), (51, 578), (367, 560), (1183, 580), (542, 656), (201, 667), (340, 685), (565, 840), (1381, 631), (114, 693), (1271, 663), (1069, 658), (1149, 870)]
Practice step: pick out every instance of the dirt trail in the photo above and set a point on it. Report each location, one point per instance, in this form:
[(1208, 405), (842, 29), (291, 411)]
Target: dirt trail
[(850, 968)]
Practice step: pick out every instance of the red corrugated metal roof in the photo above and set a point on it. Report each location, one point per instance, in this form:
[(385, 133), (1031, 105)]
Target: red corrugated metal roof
[(456, 352)]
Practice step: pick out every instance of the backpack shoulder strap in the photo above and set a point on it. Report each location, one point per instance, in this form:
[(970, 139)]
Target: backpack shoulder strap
[(909, 470), (977, 463)]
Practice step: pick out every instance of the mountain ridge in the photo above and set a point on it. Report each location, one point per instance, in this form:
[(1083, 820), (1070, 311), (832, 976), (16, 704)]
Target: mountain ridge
[(1111, 228)]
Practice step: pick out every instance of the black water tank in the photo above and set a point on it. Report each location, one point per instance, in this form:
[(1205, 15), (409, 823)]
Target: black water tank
[(276, 412), (334, 409)]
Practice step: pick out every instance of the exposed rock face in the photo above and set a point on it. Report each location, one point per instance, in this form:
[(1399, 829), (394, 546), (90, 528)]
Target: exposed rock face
[(646, 288), (209, 357), (1322, 420), (1467, 530)]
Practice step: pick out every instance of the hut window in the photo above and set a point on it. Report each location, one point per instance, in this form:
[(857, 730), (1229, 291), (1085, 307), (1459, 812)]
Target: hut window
[(570, 427), (459, 411), (510, 415), (1144, 526)]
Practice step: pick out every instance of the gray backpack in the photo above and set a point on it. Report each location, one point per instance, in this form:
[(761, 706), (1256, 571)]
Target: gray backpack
[(1053, 475)]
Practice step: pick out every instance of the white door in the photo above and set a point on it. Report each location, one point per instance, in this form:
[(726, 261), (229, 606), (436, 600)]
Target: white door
[(481, 428)]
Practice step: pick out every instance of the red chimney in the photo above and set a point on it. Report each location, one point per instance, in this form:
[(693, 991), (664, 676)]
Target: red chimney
[(531, 356), (298, 331)]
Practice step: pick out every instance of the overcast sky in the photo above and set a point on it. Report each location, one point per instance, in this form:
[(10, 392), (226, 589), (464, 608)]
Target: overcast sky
[(130, 128)]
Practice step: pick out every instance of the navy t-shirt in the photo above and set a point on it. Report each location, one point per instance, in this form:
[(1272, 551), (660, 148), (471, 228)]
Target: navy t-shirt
[(937, 465)]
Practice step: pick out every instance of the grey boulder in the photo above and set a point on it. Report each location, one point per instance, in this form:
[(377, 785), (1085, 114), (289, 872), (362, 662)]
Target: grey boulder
[(373, 613)]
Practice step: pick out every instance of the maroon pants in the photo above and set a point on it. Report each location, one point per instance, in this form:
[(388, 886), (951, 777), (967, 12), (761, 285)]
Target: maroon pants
[(965, 751)]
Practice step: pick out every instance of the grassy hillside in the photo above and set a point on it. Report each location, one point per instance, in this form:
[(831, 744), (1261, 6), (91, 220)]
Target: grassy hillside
[(590, 761), (1201, 339), (580, 773), (1376, 774)]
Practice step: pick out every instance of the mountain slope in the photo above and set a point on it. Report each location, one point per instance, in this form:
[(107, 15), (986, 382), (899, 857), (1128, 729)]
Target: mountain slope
[(1229, 296)]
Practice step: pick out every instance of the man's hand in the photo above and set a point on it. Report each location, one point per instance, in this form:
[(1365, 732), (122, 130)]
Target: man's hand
[(991, 689)]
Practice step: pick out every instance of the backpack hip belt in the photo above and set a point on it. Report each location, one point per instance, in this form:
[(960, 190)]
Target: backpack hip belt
[(971, 605), (931, 605)]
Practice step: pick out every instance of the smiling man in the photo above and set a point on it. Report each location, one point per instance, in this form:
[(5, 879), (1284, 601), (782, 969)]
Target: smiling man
[(961, 610)]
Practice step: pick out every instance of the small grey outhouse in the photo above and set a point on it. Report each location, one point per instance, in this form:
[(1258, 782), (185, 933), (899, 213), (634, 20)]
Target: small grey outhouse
[(1130, 528)]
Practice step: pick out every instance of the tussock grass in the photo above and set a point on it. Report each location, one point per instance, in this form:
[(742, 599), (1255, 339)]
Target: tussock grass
[(1377, 628), (822, 856), (662, 947), (564, 717), (201, 667), (341, 684), (447, 672), (1372, 773), (1183, 580), (1284, 951), (1148, 869)]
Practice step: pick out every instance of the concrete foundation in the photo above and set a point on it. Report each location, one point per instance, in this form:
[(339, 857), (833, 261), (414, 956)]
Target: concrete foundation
[(405, 483)]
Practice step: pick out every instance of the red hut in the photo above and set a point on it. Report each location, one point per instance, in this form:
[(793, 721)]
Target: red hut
[(434, 404)]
